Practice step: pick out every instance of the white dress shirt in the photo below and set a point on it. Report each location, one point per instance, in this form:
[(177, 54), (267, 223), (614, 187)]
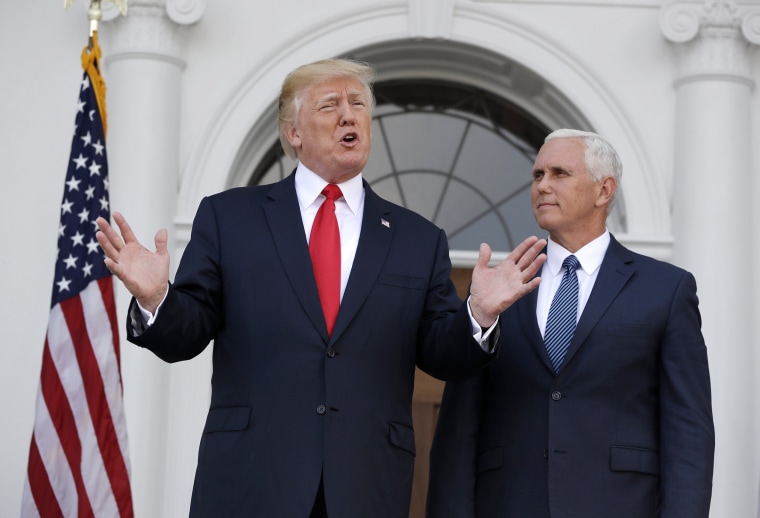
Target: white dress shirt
[(349, 211), (590, 257)]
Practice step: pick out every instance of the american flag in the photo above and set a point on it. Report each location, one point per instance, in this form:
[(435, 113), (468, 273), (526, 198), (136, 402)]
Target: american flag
[(78, 458)]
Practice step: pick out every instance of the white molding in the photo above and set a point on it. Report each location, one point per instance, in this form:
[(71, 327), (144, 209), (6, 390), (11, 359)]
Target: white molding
[(430, 18)]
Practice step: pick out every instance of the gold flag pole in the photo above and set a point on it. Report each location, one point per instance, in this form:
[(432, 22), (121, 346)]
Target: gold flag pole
[(91, 53), (95, 13)]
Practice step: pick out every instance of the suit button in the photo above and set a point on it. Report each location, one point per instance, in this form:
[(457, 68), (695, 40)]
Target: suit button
[(331, 353), (546, 454), (321, 409), (556, 395)]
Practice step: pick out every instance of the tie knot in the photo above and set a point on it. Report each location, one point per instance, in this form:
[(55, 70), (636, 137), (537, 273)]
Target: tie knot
[(332, 192), (571, 263)]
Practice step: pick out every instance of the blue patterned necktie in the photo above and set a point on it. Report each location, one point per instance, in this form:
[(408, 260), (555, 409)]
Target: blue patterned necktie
[(563, 313)]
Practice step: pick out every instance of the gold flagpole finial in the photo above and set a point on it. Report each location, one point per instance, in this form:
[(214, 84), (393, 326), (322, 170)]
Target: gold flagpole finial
[(95, 13)]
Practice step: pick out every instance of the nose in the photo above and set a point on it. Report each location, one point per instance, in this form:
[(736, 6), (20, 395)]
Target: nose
[(541, 184), (346, 114)]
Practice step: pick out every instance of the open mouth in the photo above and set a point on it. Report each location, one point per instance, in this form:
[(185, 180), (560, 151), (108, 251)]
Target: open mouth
[(351, 137)]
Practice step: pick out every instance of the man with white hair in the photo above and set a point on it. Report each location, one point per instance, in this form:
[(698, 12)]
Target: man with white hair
[(599, 402)]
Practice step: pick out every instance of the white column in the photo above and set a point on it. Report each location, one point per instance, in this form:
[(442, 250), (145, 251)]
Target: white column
[(712, 221), (143, 72)]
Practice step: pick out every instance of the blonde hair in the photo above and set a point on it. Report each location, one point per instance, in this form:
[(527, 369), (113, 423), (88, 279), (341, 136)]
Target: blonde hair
[(300, 80)]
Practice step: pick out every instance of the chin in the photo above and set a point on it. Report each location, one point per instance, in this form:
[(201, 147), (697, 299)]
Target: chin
[(355, 166), (544, 223)]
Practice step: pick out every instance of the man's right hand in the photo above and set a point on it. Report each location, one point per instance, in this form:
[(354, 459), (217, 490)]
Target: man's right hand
[(144, 273), (494, 289)]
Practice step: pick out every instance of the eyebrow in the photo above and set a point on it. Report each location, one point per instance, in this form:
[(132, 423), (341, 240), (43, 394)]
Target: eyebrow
[(328, 97), (353, 94)]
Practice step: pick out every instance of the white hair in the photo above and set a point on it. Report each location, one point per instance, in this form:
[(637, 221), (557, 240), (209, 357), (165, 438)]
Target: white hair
[(601, 158)]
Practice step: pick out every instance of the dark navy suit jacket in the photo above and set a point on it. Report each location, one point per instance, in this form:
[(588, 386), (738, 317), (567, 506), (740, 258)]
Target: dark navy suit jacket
[(290, 405), (624, 429)]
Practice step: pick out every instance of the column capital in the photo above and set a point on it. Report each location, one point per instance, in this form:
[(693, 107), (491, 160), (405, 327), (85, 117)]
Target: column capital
[(715, 37), (151, 28), (183, 12)]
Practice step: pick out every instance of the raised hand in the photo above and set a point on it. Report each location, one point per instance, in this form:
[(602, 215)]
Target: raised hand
[(495, 289), (144, 273)]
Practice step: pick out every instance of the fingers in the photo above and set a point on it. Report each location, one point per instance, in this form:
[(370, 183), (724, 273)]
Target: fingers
[(533, 259), (526, 245), (108, 238), (528, 258), (124, 228), (532, 284), (527, 255), (484, 256), (160, 241), (527, 251)]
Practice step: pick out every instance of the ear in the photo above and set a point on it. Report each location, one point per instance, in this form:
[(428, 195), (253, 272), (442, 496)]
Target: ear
[(607, 188), (294, 137)]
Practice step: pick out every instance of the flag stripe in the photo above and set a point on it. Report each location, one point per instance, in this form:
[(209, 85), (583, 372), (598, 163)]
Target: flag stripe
[(43, 492), (64, 424), (109, 302), (97, 400), (55, 470), (115, 450), (69, 345), (111, 366)]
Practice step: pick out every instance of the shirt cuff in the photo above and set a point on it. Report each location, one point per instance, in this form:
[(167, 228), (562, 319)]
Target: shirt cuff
[(486, 337), (143, 319)]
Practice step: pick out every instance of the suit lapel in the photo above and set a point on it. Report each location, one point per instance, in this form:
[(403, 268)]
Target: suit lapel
[(374, 243), (284, 218), (526, 311), (614, 273)]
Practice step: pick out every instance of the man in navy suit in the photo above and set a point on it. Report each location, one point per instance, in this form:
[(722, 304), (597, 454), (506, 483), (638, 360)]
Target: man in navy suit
[(311, 417), (621, 425)]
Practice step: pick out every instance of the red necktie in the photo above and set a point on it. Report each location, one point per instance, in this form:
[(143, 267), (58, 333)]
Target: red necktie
[(324, 247)]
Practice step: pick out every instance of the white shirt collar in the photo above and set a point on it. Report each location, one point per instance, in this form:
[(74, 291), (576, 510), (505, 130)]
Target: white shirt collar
[(590, 256), (309, 186)]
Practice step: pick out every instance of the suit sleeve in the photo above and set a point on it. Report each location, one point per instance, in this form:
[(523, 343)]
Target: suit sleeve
[(191, 313), (687, 435), (453, 455), (446, 347)]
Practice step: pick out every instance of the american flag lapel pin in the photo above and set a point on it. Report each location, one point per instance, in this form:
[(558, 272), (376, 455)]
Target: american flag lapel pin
[(384, 222)]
